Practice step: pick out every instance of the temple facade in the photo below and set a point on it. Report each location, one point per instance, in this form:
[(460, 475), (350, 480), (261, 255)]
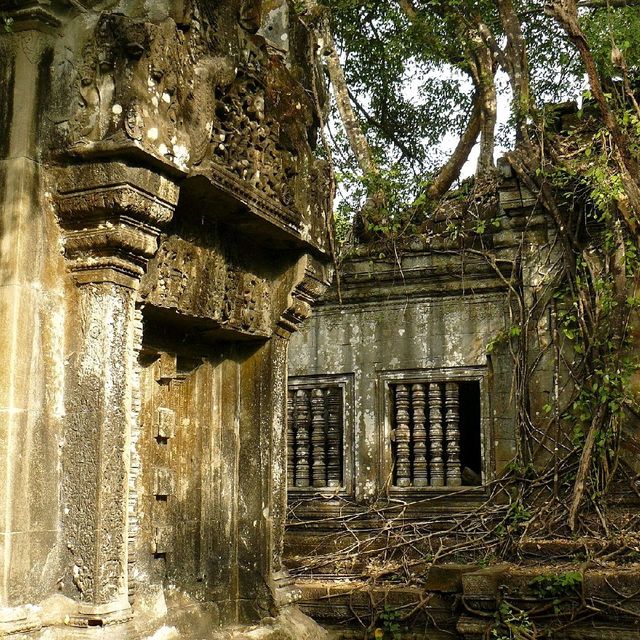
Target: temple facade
[(405, 422), (163, 233)]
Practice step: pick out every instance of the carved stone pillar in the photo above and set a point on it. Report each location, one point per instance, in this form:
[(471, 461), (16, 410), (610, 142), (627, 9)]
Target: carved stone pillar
[(291, 442), (452, 437), (420, 471), (310, 280), (436, 435), (111, 216), (303, 438), (335, 434), (318, 439)]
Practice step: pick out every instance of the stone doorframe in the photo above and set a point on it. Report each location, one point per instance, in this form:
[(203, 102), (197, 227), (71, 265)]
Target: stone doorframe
[(111, 215)]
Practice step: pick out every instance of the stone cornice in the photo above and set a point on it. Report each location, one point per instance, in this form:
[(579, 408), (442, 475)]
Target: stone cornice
[(41, 15), (111, 215)]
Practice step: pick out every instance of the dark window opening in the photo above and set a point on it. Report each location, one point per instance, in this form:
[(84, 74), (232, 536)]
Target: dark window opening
[(470, 441)]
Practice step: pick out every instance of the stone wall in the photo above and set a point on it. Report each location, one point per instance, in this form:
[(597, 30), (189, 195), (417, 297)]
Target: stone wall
[(162, 235)]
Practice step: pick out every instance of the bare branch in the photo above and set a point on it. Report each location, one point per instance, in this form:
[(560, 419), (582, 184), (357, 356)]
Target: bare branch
[(608, 4)]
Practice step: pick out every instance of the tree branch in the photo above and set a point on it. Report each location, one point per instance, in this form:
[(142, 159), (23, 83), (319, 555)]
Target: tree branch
[(406, 152), (355, 136), (608, 4), (566, 14)]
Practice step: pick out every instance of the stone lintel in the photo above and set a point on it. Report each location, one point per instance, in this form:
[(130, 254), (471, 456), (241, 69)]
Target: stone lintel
[(30, 15), (42, 15), (220, 194)]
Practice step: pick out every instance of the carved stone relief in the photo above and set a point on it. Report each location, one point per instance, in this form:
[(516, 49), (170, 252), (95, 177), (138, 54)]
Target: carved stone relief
[(202, 280), (189, 100)]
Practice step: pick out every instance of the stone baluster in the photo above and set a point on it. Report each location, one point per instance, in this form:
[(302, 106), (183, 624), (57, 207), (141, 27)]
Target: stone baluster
[(303, 423), (452, 421), (419, 436), (334, 437), (291, 452), (436, 434), (318, 439), (403, 437)]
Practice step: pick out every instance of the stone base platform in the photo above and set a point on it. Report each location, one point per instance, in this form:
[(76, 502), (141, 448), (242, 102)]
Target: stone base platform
[(462, 601), (194, 622)]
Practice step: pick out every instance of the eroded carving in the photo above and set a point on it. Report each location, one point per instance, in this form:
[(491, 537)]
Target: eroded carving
[(202, 279), (199, 100)]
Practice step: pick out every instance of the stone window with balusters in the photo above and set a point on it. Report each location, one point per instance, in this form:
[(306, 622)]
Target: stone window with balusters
[(319, 434), (431, 434), (435, 432)]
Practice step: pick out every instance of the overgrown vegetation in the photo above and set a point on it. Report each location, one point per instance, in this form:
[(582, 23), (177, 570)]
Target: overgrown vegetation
[(582, 163)]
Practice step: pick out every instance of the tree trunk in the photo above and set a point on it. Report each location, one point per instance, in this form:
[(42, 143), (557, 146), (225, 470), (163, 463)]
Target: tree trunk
[(483, 116), (451, 169), (566, 14), (352, 127), (483, 72), (517, 65)]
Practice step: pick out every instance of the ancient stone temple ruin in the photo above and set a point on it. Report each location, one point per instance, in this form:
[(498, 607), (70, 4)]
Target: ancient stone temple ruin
[(163, 233), (403, 415)]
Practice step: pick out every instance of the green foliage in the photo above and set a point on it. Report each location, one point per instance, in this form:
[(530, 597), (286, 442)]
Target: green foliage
[(503, 337), (511, 623), (410, 78), (389, 624), (6, 24), (342, 224), (620, 24), (516, 517), (556, 586)]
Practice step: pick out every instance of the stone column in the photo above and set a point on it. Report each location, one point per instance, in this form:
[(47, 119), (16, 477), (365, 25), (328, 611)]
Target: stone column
[(30, 348), (111, 215), (311, 279)]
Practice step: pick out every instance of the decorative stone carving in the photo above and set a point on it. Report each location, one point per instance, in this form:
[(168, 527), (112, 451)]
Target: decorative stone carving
[(402, 436), (246, 141), (452, 421), (124, 109), (335, 435), (303, 424), (162, 482), (419, 436), (291, 443), (318, 438), (321, 409), (165, 423), (201, 279), (234, 114), (313, 277), (111, 215), (436, 435)]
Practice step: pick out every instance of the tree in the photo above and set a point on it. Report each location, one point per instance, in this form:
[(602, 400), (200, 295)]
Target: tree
[(416, 70)]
